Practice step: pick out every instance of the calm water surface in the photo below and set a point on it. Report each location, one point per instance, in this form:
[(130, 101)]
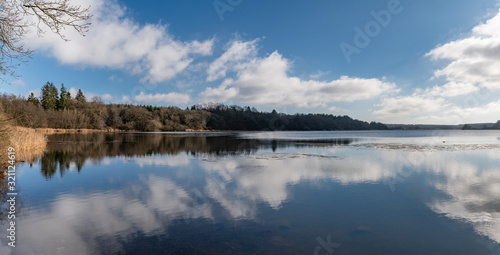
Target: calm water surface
[(378, 192)]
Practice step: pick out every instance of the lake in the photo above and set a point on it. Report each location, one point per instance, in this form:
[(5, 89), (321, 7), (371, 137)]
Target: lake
[(360, 192)]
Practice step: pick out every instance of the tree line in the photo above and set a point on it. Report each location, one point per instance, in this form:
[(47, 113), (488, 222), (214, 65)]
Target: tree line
[(59, 109), (495, 126), (95, 147), (223, 117)]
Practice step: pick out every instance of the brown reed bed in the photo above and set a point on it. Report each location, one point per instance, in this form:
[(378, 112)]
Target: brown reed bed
[(28, 143)]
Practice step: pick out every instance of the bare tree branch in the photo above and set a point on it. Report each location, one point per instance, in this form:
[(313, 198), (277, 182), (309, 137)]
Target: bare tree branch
[(54, 15)]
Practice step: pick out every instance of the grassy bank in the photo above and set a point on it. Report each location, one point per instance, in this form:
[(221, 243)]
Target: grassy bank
[(28, 143)]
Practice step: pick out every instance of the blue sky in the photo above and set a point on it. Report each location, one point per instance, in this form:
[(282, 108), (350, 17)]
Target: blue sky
[(413, 61)]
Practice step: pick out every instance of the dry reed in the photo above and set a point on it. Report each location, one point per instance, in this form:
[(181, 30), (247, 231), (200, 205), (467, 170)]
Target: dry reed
[(28, 144)]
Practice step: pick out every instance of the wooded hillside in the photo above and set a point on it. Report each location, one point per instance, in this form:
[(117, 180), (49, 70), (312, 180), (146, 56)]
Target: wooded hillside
[(59, 109)]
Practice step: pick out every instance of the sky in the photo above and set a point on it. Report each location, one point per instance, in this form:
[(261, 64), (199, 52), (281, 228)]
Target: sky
[(393, 61)]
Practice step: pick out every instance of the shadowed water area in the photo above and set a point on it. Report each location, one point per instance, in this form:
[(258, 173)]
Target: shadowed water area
[(369, 192)]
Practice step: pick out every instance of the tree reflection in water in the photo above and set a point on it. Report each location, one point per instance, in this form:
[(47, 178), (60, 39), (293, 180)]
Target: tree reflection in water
[(275, 195), (66, 149)]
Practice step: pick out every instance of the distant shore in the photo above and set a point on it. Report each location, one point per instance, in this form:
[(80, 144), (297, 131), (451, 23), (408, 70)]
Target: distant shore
[(49, 131)]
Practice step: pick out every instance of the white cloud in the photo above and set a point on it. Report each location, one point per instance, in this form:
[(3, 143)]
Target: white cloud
[(318, 75), (420, 108), (490, 111), (472, 71), (117, 42), (407, 106), (221, 93), (452, 89), (72, 91), (172, 98), (474, 60), (18, 82), (237, 52), (265, 81), (107, 97)]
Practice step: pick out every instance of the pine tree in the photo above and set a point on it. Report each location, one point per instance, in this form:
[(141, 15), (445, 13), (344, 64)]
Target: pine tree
[(80, 97), (49, 96), (62, 103), (32, 99)]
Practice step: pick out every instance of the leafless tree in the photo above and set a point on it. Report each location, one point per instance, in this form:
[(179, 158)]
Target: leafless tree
[(18, 16)]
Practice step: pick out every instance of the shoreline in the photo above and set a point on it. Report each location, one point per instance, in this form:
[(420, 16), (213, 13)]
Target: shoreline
[(50, 131)]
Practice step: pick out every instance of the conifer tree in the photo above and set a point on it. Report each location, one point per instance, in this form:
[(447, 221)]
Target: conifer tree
[(32, 99), (80, 97), (62, 103), (49, 96)]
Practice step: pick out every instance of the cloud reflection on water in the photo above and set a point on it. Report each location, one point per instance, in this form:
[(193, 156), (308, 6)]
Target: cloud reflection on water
[(238, 183), (73, 223)]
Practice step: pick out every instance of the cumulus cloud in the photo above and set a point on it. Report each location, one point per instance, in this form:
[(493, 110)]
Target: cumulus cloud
[(170, 98), (413, 105), (471, 71), (474, 114), (237, 52), (265, 81), (451, 89), (223, 93), (73, 91), (474, 60), (422, 108), (118, 42)]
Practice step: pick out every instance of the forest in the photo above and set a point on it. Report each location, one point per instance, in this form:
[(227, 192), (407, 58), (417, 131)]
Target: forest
[(57, 108), (495, 126)]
